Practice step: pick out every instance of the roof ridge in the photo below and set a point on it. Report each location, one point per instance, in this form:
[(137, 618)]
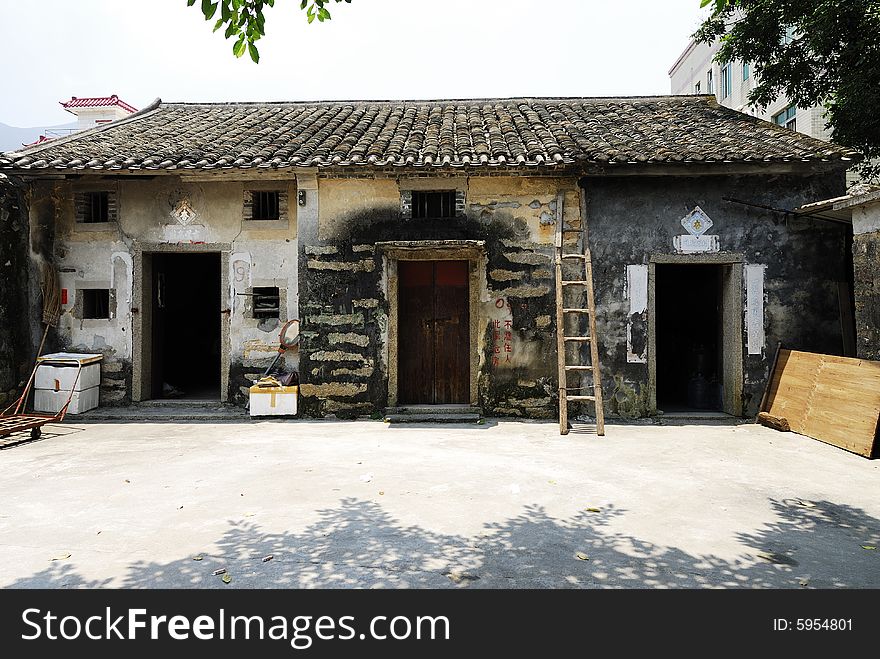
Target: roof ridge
[(504, 99)]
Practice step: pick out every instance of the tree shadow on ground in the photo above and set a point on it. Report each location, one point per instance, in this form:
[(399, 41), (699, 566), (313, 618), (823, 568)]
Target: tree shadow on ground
[(358, 544)]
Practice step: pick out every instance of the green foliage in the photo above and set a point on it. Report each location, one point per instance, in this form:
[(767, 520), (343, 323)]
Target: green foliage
[(246, 22), (833, 59)]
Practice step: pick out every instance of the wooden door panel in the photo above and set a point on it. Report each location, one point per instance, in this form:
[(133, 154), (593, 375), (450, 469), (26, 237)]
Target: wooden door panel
[(415, 340), (434, 334), (451, 333)]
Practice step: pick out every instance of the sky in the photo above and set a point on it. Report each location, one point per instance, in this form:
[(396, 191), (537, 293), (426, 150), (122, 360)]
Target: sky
[(371, 49)]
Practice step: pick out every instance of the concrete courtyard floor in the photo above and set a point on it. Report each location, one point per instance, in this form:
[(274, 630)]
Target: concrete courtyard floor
[(504, 505)]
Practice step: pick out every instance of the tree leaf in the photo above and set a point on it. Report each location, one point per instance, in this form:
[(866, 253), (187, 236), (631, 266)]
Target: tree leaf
[(239, 47), (255, 54), (208, 9)]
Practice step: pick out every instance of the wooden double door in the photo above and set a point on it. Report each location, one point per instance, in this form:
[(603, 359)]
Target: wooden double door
[(433, 332)]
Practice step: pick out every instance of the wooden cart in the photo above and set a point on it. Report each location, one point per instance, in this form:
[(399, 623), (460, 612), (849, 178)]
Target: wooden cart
[(14, 419)]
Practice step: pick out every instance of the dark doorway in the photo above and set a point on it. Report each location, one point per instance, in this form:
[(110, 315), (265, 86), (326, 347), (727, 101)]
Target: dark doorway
[(185, 328), (433, 332), (689, 339)]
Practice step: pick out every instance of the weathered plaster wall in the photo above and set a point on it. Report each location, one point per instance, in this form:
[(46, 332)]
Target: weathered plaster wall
[(866, 269), (149, 215), (344, 285), (632, 219), (15, 344)]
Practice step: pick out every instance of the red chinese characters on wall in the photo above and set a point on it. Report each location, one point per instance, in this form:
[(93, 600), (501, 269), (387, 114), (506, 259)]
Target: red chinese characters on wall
[(502, 334)]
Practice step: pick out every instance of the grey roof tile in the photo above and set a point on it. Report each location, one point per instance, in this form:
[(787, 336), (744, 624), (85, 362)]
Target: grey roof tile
[(437, 134)]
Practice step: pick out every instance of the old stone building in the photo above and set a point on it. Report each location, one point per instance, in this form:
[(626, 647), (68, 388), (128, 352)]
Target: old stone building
[(414, 241)]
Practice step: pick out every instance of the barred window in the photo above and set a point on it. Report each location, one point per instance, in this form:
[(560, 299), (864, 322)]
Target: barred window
[(433, 205), (265, 205), (95, 206)]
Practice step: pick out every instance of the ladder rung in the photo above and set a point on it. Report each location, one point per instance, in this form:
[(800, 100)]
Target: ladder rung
[(593, 398), (579, 282), (575, 310), (576, 338), (575, 256), (578, 368)]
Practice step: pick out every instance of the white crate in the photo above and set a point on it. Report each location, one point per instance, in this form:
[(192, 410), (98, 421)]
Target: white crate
[(60, 377), (273, 401), (48, 400)]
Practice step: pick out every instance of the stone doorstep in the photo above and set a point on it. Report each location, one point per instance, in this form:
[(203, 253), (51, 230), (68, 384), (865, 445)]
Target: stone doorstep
[(433, 414), (432, 418)]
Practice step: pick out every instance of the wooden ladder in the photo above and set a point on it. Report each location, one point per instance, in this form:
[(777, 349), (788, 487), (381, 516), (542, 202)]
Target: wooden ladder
[(585, 285)]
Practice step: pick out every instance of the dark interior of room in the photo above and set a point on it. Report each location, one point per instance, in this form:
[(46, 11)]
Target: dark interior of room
[(688, 334), (186, 326)]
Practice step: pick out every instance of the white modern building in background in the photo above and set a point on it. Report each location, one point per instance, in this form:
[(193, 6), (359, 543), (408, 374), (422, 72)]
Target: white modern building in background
[(95, 110), (696, 72)]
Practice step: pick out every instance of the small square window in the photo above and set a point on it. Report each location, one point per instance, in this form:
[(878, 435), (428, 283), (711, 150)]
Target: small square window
[(265, 205), (266, 302), (433, 205), (95, 303), (93, 207)]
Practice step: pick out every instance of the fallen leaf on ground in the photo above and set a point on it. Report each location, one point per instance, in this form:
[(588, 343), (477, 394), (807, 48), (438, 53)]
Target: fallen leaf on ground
[(381, 493), (268, 558), (60, 558), (198, 558), (552, 482), (226, 578), (869, 547), (180, 507), (249, 514), (593, 510), (461, 577), (219, 571), (127, 481), (581, 556)]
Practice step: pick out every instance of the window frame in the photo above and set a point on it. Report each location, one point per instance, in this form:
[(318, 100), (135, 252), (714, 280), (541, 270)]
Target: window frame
[(746, 71), (697, 86), (422, 204), (258, 292), (265, 201), (94, 208), (710, 82), (91, 305), (725, 86), (788, 116)]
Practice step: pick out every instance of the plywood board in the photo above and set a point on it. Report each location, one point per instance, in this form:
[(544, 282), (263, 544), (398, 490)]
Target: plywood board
[(832, 399)]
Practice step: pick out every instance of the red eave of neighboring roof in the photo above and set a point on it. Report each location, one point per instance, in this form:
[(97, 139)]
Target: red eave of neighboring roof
[(40, 140), (96, 102)]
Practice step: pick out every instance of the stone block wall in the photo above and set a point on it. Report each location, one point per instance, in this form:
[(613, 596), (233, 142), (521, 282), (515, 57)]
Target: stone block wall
[(804, 259), (343, 285), (866, 279), (15, 345)]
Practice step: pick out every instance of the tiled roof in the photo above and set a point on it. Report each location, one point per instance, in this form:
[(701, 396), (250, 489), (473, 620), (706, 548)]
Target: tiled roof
[(97, 102), (436, 134)]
